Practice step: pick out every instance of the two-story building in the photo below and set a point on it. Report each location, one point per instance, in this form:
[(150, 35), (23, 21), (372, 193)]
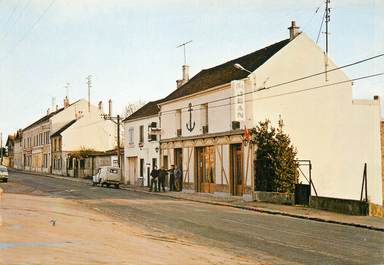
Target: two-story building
[(88, 132), (36, 137), (10, 144), (141, 148), (18, 150), (293, 81)]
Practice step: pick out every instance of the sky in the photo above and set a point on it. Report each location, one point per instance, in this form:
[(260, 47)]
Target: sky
[(129, 46)]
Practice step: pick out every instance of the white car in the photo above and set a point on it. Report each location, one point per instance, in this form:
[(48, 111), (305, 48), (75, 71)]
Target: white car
[(107, 176), (3, 174)]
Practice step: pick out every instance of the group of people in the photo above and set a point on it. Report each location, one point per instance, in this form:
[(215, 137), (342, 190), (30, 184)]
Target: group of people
[(158, 177)]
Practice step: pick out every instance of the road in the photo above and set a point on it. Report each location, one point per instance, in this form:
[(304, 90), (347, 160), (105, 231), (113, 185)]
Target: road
[(262, 237)]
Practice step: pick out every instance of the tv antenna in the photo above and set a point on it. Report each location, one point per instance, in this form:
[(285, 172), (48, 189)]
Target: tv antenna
[(67, 88), (183, 45), (89, 83)]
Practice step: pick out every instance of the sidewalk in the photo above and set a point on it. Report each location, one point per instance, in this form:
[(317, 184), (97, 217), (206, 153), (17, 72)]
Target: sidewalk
[(302, 212), (368, 222)]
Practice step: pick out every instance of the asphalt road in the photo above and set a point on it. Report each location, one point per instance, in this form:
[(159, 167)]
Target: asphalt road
[(244, 233)]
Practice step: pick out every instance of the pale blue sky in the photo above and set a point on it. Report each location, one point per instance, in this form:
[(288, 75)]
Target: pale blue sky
[(129, 47)]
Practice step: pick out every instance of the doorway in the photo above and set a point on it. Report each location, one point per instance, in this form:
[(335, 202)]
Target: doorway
[(205, 169), (132, 169), (236, 169)]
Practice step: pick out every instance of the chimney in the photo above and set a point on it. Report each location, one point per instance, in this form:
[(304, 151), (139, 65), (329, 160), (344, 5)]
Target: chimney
[(100, 105), (47, 111), (293, 30), (376, 97), (185, 79), (57, 107), (110, 108), (66, 102)]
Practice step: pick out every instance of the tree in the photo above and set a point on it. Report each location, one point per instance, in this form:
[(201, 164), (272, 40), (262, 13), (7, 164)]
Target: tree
[(276, 169), (132, 107)]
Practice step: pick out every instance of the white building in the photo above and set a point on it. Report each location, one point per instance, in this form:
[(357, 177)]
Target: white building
[(202, 121), (141, 144), (87, 131)]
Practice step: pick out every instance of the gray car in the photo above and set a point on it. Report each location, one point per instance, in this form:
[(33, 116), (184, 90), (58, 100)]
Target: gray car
[(3, 174)]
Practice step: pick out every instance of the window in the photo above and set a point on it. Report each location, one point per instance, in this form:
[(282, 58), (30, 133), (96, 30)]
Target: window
[(141, 140), (82, 164), (130, 135), (141, 167)]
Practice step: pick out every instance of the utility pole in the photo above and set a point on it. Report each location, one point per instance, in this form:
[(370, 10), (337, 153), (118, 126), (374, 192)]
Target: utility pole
[(327, 20), (1, 148), (89, 83), (116, 120)]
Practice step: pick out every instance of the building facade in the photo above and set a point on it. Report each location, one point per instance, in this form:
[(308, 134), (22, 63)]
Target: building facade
[(141, 148), (203, 121)]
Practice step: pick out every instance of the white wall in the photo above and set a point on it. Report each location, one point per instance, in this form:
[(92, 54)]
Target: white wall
[(321, 122), (147, 152), (91, 132)]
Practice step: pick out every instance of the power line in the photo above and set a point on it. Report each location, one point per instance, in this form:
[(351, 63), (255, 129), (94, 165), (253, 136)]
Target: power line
[(22, 12), (30, 29), (300, 79), (281, 94), (321, 27)]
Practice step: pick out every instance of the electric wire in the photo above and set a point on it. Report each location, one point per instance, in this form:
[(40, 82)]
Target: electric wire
[(33, 25), (321, 27), (22, 12), (278, 95), (297, 79)]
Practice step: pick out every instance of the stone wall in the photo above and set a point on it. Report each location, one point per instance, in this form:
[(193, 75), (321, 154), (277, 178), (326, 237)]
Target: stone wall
[(274, 197), (351, 207)]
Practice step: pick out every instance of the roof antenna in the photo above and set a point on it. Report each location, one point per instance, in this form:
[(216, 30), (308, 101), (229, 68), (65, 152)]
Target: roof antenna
[(183, 45)]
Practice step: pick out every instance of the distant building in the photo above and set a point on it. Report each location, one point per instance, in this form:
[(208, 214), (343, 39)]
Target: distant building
[(10, 144), (141, 144), (79, 138)]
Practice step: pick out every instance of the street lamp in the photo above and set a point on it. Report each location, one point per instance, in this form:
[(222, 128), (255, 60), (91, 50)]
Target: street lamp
[(240, 67)]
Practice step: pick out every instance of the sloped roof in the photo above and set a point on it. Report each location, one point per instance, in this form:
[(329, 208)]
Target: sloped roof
[(48, 116), (226, 72), (62, 129), (149, 109), (43, 119)]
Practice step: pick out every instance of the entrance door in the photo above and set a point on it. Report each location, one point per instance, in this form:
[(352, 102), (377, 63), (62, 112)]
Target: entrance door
[(178, 157), (205, 169), (236, 176), (132, 169)]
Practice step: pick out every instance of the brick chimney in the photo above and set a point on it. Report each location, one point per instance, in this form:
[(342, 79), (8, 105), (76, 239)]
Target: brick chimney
[(185, 79), (293, 30), (66, 102), (100, 105), (110, 107)]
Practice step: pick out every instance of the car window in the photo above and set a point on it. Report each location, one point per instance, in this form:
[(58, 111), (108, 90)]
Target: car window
[(113, 170)]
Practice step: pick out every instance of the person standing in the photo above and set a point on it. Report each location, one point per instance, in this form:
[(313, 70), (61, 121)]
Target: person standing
[(162, 174), (172, 186), (154, 178), (179, 179)]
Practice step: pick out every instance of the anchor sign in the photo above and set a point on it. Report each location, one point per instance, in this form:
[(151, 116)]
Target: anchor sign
[(190, 126)]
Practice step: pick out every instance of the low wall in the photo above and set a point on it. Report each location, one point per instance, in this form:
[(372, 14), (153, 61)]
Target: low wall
[(344, 206), (274, 197), (376, 210)]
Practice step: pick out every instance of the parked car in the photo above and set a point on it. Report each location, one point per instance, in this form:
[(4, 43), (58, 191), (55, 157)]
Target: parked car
[(107, 176), (3, 174)]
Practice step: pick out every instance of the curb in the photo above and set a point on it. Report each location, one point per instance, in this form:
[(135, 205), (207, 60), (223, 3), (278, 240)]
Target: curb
[(260, 210), (249, 208)]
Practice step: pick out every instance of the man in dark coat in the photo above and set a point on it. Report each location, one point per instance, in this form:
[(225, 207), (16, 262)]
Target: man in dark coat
[(162, 174), (179, 179), (154, 179), (172, 186)]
